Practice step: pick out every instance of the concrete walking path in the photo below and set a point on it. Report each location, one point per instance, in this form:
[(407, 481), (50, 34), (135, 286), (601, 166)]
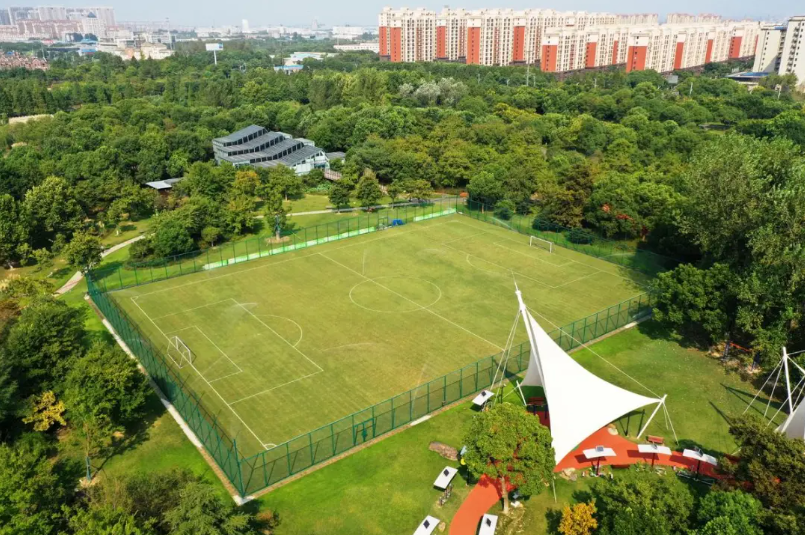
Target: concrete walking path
[(77, 276)]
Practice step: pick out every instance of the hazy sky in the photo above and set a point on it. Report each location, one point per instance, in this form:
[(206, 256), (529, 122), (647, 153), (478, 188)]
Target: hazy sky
[(364, 12)]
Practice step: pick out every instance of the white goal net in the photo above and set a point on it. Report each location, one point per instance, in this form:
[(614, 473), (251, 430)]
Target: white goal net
[(178, 352), (541, 244)]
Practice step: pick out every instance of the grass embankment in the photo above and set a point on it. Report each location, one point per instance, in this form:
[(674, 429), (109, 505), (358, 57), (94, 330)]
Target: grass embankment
[(159, 443)]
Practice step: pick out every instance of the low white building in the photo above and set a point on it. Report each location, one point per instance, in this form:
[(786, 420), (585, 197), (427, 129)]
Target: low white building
[(371, 47)]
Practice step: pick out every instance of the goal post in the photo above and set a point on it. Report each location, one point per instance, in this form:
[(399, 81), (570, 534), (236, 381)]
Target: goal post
[(541, 243), (178, 352)]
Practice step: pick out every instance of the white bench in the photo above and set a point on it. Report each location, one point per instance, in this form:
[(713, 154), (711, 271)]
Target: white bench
[(481, 399), (445, 477), (488, 525), (427, 526)]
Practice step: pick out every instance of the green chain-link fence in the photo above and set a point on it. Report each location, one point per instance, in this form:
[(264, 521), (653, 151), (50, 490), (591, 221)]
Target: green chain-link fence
[(117, 277), (251, 474)]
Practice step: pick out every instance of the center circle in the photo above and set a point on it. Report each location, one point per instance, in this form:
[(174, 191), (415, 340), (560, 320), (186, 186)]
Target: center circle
[(395, 294)]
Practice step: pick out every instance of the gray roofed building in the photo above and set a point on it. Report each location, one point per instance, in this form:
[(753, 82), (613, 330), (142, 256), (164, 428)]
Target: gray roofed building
[(258, 147)]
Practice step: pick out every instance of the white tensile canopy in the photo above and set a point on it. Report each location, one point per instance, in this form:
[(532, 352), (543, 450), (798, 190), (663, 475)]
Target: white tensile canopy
[(580, 403), (794, 425)]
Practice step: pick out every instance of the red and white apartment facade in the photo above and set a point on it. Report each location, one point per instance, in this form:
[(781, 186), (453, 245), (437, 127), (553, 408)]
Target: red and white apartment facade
[(562, 41)]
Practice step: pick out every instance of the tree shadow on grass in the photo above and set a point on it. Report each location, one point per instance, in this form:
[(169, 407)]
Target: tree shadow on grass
[(656, 330), (137, 433), (758, 408)]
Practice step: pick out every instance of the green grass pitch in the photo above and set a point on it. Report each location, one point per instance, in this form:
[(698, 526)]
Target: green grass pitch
[(289, 343)]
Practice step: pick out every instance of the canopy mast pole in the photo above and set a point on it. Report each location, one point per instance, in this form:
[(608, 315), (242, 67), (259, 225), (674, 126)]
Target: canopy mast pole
[(660, 404), (787, 382), (531, 338)]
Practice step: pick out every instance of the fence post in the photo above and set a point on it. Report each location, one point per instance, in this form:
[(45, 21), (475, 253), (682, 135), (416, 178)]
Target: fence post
[(312, 457), (428, 406), (392, 413), (444, 391), (332, 437), (288, 457)]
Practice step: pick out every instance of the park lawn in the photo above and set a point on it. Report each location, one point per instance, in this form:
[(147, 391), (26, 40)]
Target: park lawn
[(386, 488), (702, 396)]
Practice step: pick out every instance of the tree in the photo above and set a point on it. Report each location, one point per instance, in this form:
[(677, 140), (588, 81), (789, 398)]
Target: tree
[(84, 251), (106, 521), (419, 189), (13, 229), (642, 503), (701, 300), (771, 466), (171, 237), (340, 193), (485, 188), (32, 488), (52, 209), (286, 181), (504, 209), (395, 190), (106, 380), (44, 411), (275, 213), (578, 520), (730, 512), (42, 344), (368, 190), (509, 445), (201, 511)]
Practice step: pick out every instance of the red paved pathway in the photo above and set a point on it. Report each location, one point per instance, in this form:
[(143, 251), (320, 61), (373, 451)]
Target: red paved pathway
[(486, 493), (481, 498)]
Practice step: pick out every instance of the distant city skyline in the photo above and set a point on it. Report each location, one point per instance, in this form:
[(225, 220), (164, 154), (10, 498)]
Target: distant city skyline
[(364, 12)]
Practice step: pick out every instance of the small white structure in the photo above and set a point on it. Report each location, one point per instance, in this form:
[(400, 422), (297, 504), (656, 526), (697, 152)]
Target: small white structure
[(488, 525), (598, 452), (445, 477), (653, 450), (481, 399), (700, 458), (427, 526), (580, 403)]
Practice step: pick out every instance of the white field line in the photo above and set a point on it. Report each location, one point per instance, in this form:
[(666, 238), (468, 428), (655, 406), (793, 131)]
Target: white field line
[(218, 348), (275, 387), (396, 234), (571, 260), (532, 257), (225, 376), (203, 378), (190, 309), (580, 278), (511, 271), (292, 346), (412, 301), (465, 237)]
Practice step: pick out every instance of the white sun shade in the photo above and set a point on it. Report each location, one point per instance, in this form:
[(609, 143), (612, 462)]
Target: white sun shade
[(794, 425), (579, 402)]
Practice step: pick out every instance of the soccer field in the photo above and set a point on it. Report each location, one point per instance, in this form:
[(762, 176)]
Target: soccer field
[(289, 343)]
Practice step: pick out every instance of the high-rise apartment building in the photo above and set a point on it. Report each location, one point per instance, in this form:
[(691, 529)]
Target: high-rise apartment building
[(770, 48), (792, 59), (562, 40), (781, 49)]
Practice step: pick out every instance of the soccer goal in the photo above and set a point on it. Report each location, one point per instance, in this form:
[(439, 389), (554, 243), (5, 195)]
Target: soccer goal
[(540, 243), (178, 352)]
